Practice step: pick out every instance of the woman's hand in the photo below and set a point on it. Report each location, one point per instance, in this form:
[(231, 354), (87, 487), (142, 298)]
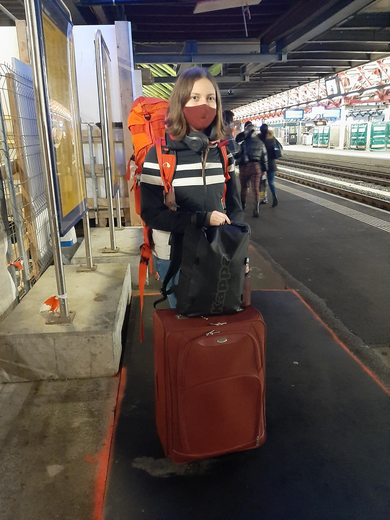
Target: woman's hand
[(218, 219)]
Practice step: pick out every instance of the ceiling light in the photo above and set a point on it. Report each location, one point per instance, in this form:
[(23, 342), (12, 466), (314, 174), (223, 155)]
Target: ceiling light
[(205, 6)]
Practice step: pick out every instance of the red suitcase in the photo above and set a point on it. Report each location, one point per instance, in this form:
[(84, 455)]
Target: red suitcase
[(210, 383)]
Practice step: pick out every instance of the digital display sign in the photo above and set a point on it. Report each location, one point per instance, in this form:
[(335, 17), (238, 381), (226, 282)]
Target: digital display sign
[(293, 114), (332, 112)]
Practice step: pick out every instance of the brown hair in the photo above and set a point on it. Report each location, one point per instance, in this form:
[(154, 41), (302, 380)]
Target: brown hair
[(176, 123), (270, 134)]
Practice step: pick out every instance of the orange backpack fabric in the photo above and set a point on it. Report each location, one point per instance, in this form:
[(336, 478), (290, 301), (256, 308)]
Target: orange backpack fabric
[(146, 123)]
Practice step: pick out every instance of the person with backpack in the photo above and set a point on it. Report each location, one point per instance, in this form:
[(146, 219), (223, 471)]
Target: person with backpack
[(200, 192), (274, 151), (252, 160)]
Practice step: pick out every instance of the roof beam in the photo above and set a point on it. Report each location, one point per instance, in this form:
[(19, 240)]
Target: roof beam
[(207, 58), (341, 46), (101, 15), (235, 47), (340, 35), (220, 79), (326, 21)]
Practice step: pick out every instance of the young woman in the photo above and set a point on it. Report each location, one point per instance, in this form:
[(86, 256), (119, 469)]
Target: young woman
[(194, 129)]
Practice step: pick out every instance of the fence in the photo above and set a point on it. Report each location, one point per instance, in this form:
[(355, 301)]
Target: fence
[(21, 181)]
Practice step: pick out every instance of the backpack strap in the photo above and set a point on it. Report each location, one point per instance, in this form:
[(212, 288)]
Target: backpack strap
[(145, 260), (225, 162), (167, 164)]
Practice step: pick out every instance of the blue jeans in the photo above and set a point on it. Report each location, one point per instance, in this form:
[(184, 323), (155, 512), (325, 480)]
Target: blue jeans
[(271, 182), (161, 267)]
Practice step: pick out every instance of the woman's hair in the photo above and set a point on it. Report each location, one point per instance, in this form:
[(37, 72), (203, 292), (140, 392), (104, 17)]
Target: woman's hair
[(270, 134), (228, 117), (263, 129), (176, 123)]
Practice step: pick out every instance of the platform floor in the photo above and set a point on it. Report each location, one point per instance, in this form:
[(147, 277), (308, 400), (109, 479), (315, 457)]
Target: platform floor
[(377, 154), (325, 456), (333, 248)]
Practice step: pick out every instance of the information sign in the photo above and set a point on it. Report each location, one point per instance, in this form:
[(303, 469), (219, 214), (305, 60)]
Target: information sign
[(65, 119), (315, 136), (388, 136), (378, 136), (324, 134), (354, 136), (362, 136), (293, 114)]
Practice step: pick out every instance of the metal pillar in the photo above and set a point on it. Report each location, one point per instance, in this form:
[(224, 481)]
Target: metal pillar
[(343, 124), (92, 159), (103, 111), (15, 210), (48, 159), (118, 211), (88, 246)]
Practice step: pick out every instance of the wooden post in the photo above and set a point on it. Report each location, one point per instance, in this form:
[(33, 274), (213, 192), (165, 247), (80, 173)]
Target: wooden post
[(126, 70), (22, 41)]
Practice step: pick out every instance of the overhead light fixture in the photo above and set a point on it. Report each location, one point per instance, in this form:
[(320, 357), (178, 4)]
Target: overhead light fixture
[(205, 6)]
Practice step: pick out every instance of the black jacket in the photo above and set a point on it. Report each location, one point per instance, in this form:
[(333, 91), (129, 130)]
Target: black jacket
[(252, 149), (197, 196), (270, 145)]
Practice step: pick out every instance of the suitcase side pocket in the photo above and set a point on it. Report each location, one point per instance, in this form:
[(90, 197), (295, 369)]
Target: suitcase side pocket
[(220, 394)]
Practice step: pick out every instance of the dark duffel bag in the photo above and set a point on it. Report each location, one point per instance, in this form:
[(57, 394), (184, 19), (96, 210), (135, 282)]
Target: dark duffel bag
[(212, 269)]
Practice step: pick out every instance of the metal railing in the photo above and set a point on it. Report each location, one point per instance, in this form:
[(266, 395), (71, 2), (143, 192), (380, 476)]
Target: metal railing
[(22, 182)]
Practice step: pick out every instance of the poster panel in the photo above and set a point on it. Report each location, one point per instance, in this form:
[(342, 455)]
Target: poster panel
[(65, 119)]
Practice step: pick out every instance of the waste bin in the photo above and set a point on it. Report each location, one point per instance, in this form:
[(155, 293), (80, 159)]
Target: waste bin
[(292, 138)]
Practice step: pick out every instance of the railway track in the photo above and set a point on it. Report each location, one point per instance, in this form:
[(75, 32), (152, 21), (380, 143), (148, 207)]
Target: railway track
[(366, 187), (381, 179)]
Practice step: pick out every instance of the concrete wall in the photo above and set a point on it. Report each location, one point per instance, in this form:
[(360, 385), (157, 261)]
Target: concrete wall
[(84, 38), (8, 45)]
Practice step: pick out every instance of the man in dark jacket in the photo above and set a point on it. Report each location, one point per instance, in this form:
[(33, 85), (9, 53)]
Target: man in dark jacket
[(252, 160)]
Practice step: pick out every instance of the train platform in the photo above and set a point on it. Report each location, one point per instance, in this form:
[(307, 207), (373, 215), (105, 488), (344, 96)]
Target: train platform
[(373, 160), (88, 449), (324, 456)]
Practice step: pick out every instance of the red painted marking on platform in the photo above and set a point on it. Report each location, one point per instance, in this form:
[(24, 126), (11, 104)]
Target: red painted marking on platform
[(366, 369), (136, 293), (103, 458), (92, 459)]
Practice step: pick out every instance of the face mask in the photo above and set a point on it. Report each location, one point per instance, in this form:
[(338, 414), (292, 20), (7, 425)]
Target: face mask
[(199, 117)]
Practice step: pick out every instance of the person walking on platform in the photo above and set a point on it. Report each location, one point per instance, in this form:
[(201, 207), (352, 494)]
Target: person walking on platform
[(274, 151), (252, 160), (263, 180), (194, 129), (228, 122)]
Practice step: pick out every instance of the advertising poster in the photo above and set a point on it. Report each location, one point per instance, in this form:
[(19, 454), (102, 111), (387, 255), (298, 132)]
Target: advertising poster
[(65, 119)]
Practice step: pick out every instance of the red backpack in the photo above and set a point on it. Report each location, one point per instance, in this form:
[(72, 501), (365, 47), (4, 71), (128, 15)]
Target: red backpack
[(146, 123)]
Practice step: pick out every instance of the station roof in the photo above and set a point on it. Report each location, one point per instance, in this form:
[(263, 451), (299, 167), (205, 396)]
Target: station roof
[(288, 42)]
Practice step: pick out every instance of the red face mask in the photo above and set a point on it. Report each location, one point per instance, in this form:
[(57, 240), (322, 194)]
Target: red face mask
[(199, 117)]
